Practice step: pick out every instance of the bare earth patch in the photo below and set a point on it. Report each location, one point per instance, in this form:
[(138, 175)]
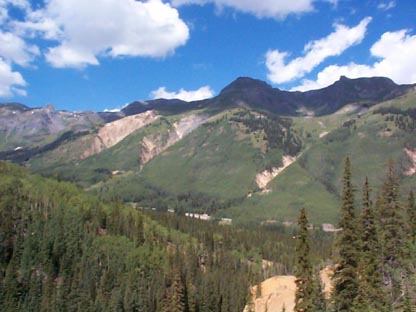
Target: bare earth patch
[(279, 291), (112, 133), (322, 134), (154, 145), (412, 155), (276, 292), (263, 178)]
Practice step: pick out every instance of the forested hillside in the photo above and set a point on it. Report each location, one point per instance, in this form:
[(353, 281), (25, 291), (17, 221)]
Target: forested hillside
[(64, 250), (374, 260)]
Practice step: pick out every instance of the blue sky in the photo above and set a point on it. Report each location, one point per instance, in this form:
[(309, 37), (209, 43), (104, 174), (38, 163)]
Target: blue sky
[(103, 54)]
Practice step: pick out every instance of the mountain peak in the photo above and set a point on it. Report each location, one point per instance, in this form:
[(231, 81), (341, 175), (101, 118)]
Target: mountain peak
[(242, 83), (367, 82)]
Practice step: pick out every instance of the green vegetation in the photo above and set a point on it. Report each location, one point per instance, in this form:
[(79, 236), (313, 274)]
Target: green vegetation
[(213, 169), (64, 250)]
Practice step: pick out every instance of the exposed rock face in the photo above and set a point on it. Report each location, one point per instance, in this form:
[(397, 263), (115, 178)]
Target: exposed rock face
[(278, 292), (412, 155), (156, 144), (263, 178), (112, 133)]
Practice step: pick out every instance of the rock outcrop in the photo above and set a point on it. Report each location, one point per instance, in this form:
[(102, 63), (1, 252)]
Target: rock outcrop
[(112, 133), (263, 178)]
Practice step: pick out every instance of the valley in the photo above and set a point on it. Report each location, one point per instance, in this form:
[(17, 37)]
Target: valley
[(177, 206), (242, 155)]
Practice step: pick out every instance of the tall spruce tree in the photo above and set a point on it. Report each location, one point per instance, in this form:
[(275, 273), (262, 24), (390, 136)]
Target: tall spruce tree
[(345, 275), (394, 239), (370, 296), (303, 270), (411, 215)]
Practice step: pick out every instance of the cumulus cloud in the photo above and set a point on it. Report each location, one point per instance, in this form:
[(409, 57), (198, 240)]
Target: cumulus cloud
[(266, 8), (87, 30), (11, 82), (15, 49), (396, 60), (77, 33), (189, 96), (315, 53)]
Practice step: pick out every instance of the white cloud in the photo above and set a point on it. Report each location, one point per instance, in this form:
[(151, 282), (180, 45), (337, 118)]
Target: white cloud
[(195, 95), (18, 4), (266, 8), (315, 53), (11, 82), (15, 49), (387, 5), (89, 29), (395, 52)]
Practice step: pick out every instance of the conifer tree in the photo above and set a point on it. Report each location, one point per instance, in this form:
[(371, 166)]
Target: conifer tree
[(303, 271), (411, 215), (370, 296), (174, 300), (345, 274), (319, 301), (394, 238)]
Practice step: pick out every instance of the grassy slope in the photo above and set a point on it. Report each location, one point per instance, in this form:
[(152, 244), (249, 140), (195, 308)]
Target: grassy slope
[(210, 160), (314, 181), (293, 189), (123, 156), (220, 161)]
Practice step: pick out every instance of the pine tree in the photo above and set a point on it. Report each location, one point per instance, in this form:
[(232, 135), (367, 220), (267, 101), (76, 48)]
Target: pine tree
[(318, 298), (345, 274), (411, 215), (370, 295), (394, 238), (303, 271), (174, 300)]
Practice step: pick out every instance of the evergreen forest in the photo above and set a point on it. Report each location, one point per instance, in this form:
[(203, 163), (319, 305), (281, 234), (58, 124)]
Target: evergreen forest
[(62, 249)]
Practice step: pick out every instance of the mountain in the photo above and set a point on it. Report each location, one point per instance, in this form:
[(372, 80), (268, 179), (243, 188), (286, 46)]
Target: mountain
[(21, 126), (259, 95), (253, 153)]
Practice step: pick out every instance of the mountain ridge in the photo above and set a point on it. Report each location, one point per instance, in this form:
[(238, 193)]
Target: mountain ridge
[(208, 156)]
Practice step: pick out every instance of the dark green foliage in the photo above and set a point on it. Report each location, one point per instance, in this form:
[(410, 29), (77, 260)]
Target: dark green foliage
[(403, 119), (62, 250), (370, 295), (411, 215), (303, 271), (278, 132), (345, 275), (394, 237)]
